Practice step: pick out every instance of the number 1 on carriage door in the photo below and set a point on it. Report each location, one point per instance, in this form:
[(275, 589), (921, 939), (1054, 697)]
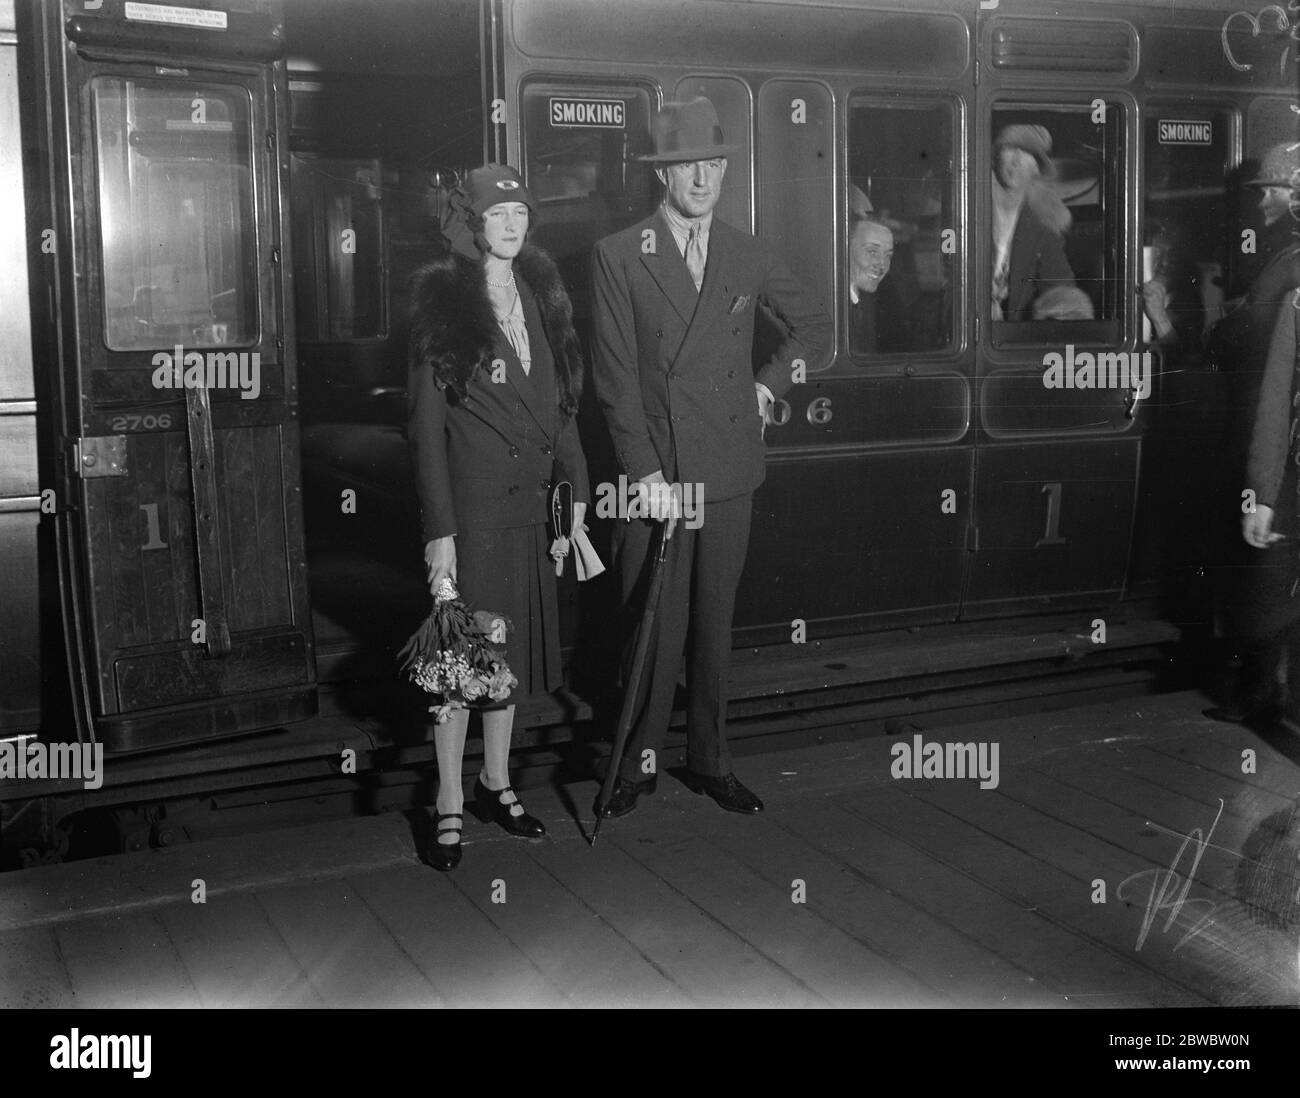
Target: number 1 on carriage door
[(1052, 535)]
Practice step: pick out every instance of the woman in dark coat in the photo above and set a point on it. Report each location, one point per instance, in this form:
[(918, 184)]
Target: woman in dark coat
[(495, 376)]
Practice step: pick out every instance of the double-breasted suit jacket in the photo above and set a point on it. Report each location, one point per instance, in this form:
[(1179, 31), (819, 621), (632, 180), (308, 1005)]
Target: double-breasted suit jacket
[(674, 373), (488, 441), (673, 368)]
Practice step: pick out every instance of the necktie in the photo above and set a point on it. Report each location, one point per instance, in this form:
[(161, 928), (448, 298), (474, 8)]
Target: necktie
[(695, 257)]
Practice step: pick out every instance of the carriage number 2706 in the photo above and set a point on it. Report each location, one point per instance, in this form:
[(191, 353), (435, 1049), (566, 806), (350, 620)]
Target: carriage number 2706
[(133, 422)]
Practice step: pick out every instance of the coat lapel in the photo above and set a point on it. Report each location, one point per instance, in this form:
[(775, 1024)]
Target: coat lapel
[(523, 384), (668, 269)]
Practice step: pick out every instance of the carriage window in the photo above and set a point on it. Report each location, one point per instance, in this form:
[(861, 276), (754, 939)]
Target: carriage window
[(176, 214), (898, 285), (796, 164), (338, 255), (1185, 256), (1056, 223), (581, 146)]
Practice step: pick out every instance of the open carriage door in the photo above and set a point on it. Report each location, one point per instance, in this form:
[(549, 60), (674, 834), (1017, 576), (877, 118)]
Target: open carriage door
[(176, 378)]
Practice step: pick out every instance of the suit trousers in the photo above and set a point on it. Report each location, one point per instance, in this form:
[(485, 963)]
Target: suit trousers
[(694, 616)]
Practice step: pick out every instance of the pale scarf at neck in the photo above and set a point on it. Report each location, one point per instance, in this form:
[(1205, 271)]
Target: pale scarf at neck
[(512, 323)]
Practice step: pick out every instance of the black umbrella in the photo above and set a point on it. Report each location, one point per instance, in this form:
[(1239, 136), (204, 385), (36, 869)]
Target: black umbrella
[(639, 656)]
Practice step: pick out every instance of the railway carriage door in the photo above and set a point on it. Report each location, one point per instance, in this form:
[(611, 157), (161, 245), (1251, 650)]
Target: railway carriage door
[(177, 372), (1064, 380)]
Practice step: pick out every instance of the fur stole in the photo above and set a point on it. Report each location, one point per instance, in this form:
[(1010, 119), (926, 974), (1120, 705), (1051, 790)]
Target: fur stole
[(453, 326), (1048, 207)]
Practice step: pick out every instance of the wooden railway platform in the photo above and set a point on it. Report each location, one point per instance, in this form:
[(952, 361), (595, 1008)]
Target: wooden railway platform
[(1132, 854)]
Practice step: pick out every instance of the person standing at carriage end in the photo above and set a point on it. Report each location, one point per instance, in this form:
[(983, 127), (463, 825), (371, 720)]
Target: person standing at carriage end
[(674, 303)]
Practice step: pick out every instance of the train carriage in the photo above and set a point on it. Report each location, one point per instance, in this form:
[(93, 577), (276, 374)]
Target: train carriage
[(207, 510)]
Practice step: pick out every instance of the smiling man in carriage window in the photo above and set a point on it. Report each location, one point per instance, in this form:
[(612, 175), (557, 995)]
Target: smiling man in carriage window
[(674, 303)]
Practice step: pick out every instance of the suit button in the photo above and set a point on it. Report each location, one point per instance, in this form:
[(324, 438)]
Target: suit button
[(733, 419), (512, 489), (514, 451), (546, 449), (659, 334), (735, 331), (545, 484), (731, 373)]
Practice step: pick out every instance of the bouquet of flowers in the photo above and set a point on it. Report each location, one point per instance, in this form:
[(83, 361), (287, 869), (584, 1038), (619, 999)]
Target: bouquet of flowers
[(455, 654)]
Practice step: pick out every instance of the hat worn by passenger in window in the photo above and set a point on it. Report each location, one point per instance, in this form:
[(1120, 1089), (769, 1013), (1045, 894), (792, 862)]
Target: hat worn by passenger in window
[(1034, 140), (1281, 168), (482, 189), (688, 131)]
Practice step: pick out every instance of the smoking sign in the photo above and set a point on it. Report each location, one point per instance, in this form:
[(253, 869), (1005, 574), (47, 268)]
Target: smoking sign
[(599, 113), (1171, 131)]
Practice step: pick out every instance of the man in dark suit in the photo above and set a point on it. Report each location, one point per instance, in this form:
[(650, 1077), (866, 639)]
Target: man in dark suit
[(674, 301)]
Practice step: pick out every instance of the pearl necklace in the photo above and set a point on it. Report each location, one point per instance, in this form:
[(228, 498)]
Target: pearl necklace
[(503, 285)]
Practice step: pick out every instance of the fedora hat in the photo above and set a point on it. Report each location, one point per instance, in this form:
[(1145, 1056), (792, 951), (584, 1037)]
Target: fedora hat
[(1281, 168), (688, 131)]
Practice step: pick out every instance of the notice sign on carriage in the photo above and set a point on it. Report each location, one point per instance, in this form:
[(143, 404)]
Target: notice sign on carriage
[(1183, 131), (605, 114)]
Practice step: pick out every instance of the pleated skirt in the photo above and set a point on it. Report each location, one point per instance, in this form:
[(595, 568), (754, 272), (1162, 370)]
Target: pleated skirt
[(510, 572)]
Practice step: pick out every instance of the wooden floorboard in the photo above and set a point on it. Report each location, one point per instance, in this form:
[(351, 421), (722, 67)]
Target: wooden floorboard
[(125, 960), (1072, 969), (463, 956), (710, 964), (1059, 858), (832, 966), (31, 971), (347, 953), (234, 956), (841, 891), (582, 954), (1027, 882)]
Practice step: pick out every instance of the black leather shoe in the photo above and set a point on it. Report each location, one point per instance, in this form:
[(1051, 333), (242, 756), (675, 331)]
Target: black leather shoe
[(727, 791), (445, 856), (623, 798), (491, 807)]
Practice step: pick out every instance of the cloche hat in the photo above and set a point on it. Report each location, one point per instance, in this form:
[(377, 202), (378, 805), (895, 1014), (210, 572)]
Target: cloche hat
[(481, 189), (1035, 140)]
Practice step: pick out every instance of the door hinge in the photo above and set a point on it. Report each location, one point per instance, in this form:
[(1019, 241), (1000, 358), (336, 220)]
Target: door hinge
[(102, 456)]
